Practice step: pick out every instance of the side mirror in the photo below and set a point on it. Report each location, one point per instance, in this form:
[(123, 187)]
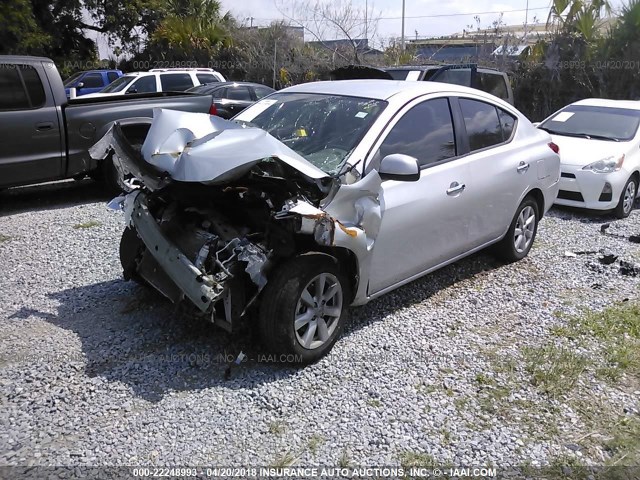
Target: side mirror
[(399, 167), (132, 90), (79, 85)]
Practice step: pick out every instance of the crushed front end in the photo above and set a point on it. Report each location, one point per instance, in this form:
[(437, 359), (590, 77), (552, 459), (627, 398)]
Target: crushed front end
[(208, 244)]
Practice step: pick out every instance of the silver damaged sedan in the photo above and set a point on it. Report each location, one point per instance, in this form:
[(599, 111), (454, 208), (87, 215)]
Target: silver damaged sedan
[(324, 195)]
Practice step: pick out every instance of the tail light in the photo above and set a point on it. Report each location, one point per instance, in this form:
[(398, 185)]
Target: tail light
[(554, 147), (213, 110)]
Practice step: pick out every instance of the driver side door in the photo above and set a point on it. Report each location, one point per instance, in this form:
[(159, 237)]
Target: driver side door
[(424, 223)]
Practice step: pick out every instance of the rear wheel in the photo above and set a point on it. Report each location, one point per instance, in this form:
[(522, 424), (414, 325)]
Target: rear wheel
[(302, 310), (522, 232), (627, 198)]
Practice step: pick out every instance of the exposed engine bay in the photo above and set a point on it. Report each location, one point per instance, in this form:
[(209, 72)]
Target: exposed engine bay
[(213, 237)]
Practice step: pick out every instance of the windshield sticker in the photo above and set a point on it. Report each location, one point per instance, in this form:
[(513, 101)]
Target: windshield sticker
[(361, 114), (562, 117)]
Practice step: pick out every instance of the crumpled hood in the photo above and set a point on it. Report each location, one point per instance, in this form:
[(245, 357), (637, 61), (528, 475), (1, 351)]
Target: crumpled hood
[(582, 151), (197, 147)]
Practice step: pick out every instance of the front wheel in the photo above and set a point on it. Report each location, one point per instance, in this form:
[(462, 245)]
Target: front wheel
[(302, 310), (522, 232), (627, 198)]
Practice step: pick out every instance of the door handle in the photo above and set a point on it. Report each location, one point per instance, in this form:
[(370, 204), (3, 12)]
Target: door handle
[(44, 126), (455, 188), (523, 167)]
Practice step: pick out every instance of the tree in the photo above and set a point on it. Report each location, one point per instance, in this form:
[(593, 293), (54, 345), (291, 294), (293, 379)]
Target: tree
[(192, 31), (19, 30), (334, 20)]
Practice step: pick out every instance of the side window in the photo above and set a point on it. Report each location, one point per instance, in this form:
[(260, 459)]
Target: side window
[(92, 80), (262, 92), (146, 84), (175, 82), (424, 132), (494, 84), (34, 86), (239, 93), (206, 78), (457, 76), (508, 122), (12, 93), (482, 123), (111, 76)]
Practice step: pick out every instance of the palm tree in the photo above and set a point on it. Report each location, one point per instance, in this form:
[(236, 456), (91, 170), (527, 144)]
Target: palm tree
[(192, 28)]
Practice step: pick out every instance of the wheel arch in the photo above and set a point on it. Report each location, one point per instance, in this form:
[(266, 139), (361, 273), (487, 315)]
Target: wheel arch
[(346, 260), (538, 196)]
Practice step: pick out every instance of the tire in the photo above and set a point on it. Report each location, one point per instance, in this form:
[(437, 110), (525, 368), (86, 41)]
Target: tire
[(131, 246), (282, 301), (511, 248), (627, 198)]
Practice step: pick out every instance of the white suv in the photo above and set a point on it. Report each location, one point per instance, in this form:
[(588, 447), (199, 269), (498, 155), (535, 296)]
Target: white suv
[(159, 80)]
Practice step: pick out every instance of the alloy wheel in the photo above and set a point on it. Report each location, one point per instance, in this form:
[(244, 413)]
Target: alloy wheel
[(318, 311), (525, 229)]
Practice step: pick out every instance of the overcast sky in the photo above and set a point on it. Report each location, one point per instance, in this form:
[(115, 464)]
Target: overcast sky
[(437, 17), (427, 17), (430, 17)]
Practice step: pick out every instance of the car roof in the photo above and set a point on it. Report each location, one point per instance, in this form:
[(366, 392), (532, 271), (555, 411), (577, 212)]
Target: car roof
[(381, 89), (23, 58), (603, 102)]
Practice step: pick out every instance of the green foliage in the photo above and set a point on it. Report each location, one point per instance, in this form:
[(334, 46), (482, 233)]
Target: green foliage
[(581, 59), (19, 31)]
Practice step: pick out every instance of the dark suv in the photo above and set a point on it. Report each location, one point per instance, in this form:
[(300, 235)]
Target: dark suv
[(488, 80)]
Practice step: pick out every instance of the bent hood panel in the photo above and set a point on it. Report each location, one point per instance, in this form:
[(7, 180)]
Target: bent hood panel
[(197, 147)]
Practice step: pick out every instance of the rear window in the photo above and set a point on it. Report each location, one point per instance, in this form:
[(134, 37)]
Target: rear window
[(12, 93), (175, 82), (482, 124), (493, 83), (398, 74), (34, 86), (239, 93), (206, 78)]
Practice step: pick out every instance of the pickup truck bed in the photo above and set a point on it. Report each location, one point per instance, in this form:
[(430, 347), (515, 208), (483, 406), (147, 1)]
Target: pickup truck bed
[(46, 137)]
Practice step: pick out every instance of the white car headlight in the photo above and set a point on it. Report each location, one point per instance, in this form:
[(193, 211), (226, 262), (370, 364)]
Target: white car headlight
[(606, 165)]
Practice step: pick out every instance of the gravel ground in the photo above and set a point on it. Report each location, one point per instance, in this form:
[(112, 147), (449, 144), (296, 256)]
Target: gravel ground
[(95, 370)]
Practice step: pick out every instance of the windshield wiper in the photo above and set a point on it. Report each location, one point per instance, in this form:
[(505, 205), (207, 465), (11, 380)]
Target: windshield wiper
[(597, 137), (588, 136)]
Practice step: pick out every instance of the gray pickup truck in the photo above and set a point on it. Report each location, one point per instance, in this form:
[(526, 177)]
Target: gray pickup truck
[(46, 137)]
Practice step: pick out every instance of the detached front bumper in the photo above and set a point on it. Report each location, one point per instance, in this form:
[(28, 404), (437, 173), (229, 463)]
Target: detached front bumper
[(586, 189), (198, 287)]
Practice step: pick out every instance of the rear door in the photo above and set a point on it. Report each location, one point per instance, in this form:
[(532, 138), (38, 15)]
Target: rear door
[(499, 168), (424, 223), (31, 133)]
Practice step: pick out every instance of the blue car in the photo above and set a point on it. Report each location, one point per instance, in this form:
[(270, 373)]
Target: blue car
[(90, 81)]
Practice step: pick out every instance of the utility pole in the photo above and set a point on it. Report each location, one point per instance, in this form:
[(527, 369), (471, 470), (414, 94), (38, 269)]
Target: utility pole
[(366, 21), (402, 37), (275, 53)]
